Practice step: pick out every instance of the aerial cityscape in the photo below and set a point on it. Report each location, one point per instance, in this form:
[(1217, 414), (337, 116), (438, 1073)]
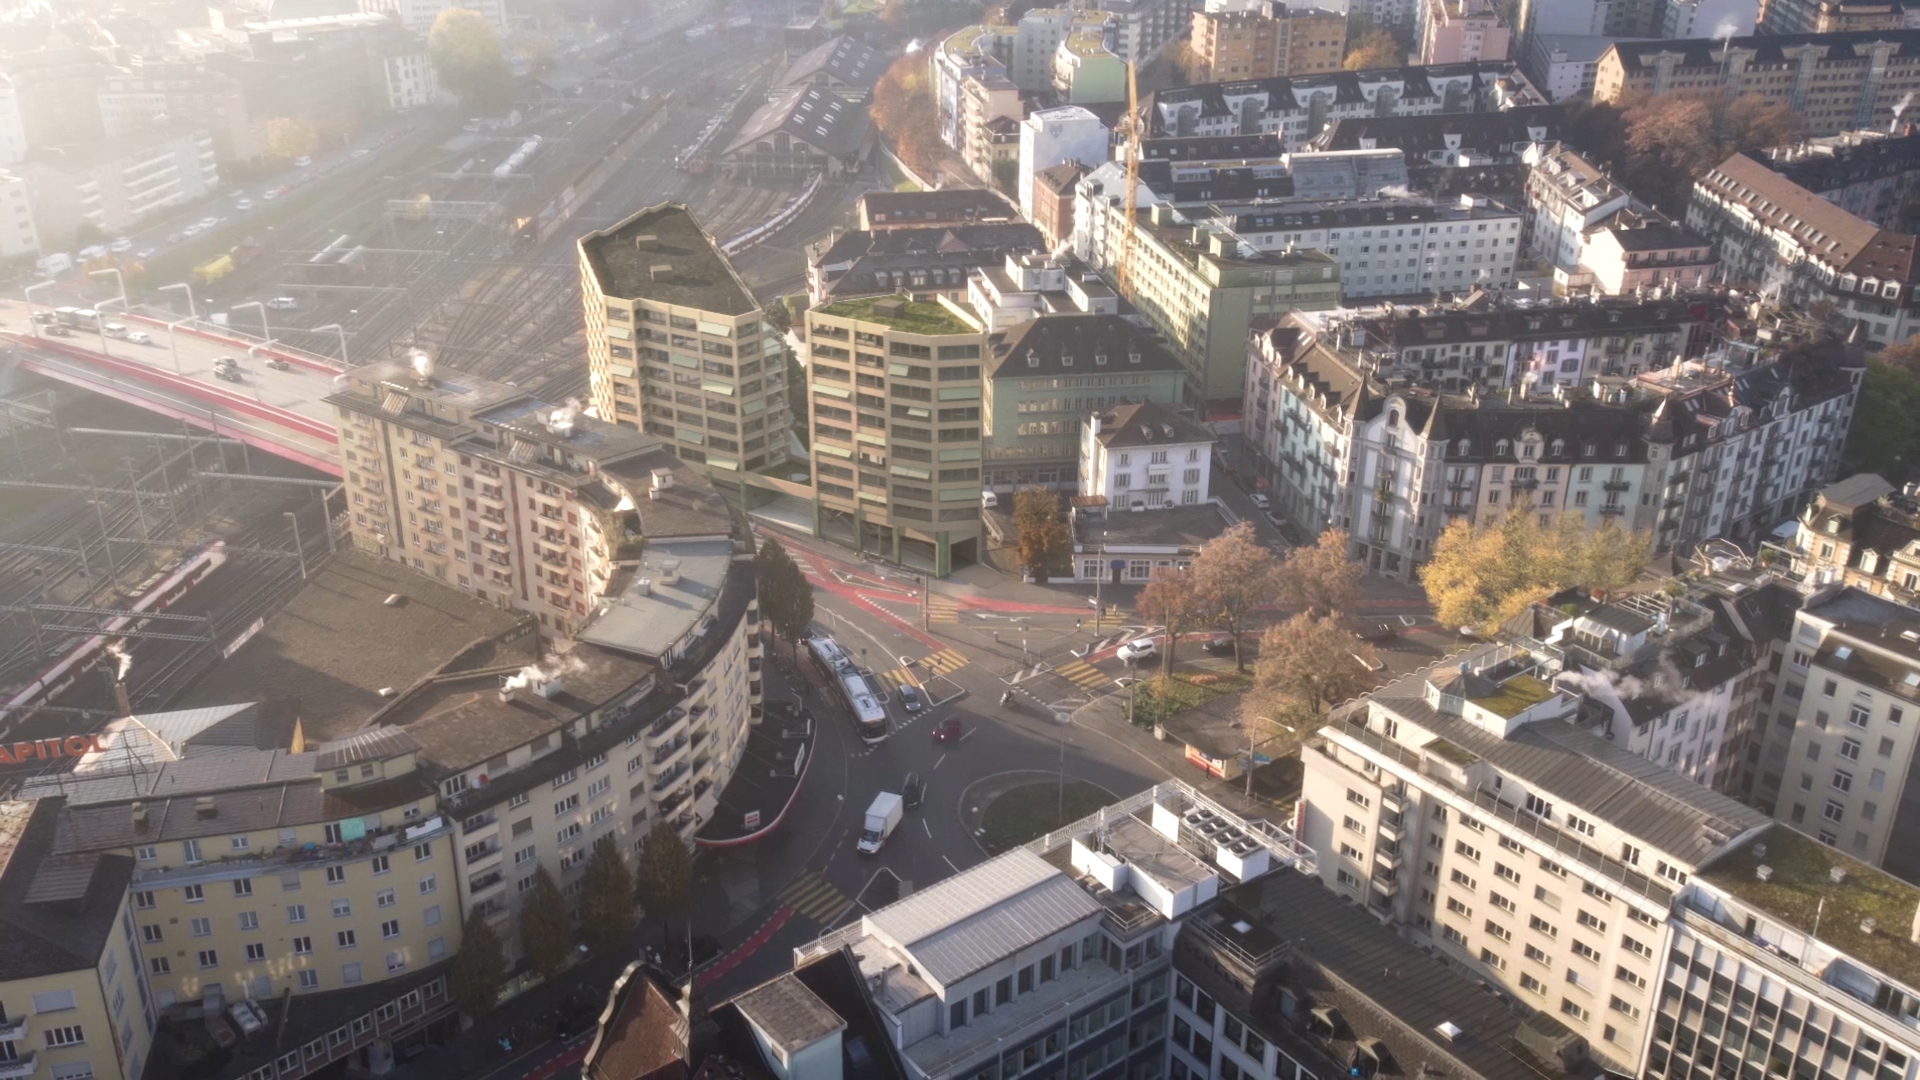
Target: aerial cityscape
[(948, 540)]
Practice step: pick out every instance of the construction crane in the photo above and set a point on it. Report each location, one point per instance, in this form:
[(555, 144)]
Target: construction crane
[(1123, 273)]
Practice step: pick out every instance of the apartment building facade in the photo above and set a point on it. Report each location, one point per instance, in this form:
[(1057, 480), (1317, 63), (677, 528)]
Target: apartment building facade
[(1567, 195), (1456, 804), (487, 489), (1833, 82), (76, 996), (1860, 532), (1052, 137), (1773, 234), (1869, 174), (116, 186), (896, 391), (18, 236), (1238, 40), (1050, 374), (1459, 31), (1390, 246), (136, 99), (1837, 763), (1198, 287), (1297, 108), (1145, 457), (270, 872), (676, 345)]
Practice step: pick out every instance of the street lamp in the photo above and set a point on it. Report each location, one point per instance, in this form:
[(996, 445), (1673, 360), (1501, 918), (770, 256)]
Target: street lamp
[(174, 344), (28, 293), (342, 331), (191, 313), (297, 548), (265, 331), (1251, 744), (119, 279)]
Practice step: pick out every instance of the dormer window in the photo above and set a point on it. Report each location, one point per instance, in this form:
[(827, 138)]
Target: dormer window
[(1100, 359), (1500, 448), (1465, 445), (1559, 447), (1032, 360), (1066, 361), (1133, 358)]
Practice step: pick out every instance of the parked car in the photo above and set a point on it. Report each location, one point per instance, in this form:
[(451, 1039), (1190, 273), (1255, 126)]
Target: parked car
[(56, 330), (302, 161), (910, 698), (243, 205), (1220, 646), (139, 337), (913, 791), (209, 222), (1260, 500), (1139, 650), (120, 245), (277, 363), (284, 303), (947, 731)]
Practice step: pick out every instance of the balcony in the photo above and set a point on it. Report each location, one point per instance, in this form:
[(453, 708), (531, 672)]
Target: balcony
[(1387, 856), (1386, 880), (17, 1068), (480, 883), (1612, 510), (498, 559), (472, 827), (496, 517), (664, 759), (1616, 485), (1525, 483), (495, 537), (664, 728), (671, 776), (487, 856), (13, 1030), (1392, 828), (1461, 485)]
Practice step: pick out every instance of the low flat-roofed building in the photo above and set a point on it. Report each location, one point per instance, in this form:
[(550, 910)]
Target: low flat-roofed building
[(1163, 539)]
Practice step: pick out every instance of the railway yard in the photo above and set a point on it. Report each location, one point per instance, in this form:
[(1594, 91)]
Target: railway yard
[(442, 234)]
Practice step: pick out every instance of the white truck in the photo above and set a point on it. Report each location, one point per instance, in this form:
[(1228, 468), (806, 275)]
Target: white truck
[(882, 817)]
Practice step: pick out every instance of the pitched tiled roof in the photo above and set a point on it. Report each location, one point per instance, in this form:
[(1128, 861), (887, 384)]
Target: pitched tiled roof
[(1148, 424), (813, 115), (844, 60), (1080, 345)]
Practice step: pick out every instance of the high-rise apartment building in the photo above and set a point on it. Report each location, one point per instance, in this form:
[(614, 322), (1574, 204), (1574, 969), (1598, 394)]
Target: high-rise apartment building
[(1457, 803), (676, 345), (487, 489), (1237, 40), (895, 391), (1453, 31)]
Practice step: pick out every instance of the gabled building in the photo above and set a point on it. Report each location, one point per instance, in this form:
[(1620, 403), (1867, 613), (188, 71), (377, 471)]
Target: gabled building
[(848, 66), (1870, 174), (885, 211), (1145, 457), (1863, 533), (921, 262), (803, 130)]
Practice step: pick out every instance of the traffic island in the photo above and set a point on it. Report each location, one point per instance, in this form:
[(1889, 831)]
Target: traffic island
[(1006, 810)]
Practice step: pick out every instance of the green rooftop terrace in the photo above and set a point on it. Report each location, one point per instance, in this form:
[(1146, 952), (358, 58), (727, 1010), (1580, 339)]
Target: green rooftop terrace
[(1515, 696), (911, 317), (1801, 879)]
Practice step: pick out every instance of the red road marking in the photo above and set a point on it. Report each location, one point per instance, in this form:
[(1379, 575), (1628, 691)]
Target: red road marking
[(552, 1066), (748, 947)]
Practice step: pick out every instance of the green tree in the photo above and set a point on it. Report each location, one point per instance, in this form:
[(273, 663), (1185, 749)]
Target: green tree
[(663, 876), (1885, 439), (606, 899), (479, 968), (786, 596), (467, 55), (1042, 543), (1234, 575), (1172, 599), (546, 927), (796, 390), (1006, 177)]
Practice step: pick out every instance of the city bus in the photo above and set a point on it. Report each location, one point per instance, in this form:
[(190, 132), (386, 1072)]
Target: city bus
[(848, 685)]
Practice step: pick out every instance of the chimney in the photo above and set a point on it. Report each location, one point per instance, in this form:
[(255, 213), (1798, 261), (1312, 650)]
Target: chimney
[(644, 239), (203, 807), (660, 271), (550, 688), (120, 699), (662, 479), (139, 816)]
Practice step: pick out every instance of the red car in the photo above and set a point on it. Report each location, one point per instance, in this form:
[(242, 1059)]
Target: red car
[(947, 730)]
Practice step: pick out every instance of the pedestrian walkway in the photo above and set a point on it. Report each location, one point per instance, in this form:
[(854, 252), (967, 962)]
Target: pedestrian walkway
[(897, 678), (945, 662), (811, 896), (942, 609), (1082, 674)]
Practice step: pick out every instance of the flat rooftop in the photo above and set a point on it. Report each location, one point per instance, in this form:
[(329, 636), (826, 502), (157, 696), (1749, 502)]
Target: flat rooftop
[(623, 257), (651, 612), (460, 720), (1801, 892), (1147, 852), (326, 655), (915, 317), (56, 911)]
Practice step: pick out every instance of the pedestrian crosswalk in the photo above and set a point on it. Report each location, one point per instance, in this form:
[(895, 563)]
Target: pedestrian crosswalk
[(810, 895), (1082, 674), (944, 662), (942, 609), (898, 677)]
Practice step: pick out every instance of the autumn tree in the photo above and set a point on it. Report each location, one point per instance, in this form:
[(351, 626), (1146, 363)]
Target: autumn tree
[(290, 137), (1657, 145), (663, 876), (1042, 542), (479, 968), (786, 596), (606, 897), (1481, 576), (536, 50), (906, 114), (1322, 578), (546, 927), (1233, 575), (1306, 664), (467, 56), (1373, 48), (1171, 599)]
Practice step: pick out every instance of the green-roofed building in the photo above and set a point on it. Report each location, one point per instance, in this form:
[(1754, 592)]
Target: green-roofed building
[(894, 388)]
